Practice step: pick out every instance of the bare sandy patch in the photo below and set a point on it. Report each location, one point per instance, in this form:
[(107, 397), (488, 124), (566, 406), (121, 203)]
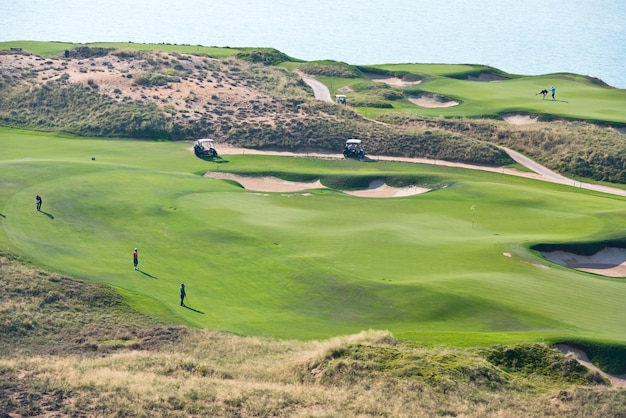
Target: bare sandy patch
[(432, 102), (609, 261), (618, 381), (392, 81), (199, 83), (519, 119), (272, 184), (266, 184), (378, 188)]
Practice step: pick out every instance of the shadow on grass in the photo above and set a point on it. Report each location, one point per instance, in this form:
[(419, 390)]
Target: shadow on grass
[(192, 309), (148, 274), (2, 215), (49, 215)]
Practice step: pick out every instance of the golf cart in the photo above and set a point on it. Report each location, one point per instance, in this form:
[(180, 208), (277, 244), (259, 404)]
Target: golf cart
[(353, 149), (204, 148)]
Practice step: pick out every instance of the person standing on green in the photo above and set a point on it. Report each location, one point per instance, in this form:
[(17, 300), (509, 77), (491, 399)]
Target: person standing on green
[(135, 259), (553, 90), (182, 294)]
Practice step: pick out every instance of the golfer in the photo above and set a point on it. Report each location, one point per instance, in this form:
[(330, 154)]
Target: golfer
[(553, 90), (38, 201), (135, 259), (182, 294)]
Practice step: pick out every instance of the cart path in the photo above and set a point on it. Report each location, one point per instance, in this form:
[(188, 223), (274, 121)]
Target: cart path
[(538, 172), (549, 175), (321, 92)]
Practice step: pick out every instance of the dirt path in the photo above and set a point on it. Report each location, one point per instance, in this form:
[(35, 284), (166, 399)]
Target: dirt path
[(539, 172), (320, 91), (618, 381)]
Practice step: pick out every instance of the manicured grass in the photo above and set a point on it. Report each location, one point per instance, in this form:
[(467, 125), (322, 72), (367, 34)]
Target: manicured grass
[(51, 49), (310, 265), (577, 97)]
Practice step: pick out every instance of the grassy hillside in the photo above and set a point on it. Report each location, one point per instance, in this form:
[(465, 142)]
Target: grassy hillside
[(577, 97), (430, 268), (245, 96), (72, 348)]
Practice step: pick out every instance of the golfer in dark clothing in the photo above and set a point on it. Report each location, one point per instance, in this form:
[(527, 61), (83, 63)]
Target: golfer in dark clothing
[(38, 201), (135, 259), (182, 294)]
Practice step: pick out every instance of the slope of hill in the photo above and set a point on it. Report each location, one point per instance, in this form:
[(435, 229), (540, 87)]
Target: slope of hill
[(245, 99), (70, 348)]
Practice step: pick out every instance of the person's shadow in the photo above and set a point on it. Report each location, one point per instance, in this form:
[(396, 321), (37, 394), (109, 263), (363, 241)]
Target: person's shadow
[(148, 274), (2, 215), (192, 309), (49, 215)]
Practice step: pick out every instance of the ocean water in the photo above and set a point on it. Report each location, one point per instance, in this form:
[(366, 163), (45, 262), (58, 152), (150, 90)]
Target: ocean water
[(528, 37)]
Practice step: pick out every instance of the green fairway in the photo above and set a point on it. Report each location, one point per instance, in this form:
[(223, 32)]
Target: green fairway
[(450, 266), (577, 97), (51, 49)]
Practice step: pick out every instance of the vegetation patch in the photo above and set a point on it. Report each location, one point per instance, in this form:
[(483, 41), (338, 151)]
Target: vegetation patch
[(267, 56), (152, 80), (53, 314), (330, 69)]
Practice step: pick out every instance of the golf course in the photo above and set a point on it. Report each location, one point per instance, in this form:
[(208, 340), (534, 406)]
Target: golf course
[(452, 266), (441, 272)]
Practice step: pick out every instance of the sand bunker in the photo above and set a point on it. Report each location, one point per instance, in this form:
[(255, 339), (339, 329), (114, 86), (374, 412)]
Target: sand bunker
[(517, 119), (392, 81), (272, 184), (609, 261), (378, 188), (266, 184), (431, 102)]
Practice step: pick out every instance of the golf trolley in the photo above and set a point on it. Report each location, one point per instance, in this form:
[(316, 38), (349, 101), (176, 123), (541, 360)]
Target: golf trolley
[(203, 148), (353, 149)]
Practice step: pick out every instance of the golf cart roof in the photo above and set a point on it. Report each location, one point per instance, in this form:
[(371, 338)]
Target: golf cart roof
[(353, 141), (201, 141)]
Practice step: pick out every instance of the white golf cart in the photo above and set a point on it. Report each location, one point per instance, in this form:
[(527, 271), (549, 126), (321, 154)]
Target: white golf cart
[(353, 149), (205, 148)]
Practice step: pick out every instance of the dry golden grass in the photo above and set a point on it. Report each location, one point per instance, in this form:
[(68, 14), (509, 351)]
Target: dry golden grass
[(217, 374), (104, 360)]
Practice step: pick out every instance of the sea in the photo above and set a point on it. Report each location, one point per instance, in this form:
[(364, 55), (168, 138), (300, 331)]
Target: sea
[(529, 37)]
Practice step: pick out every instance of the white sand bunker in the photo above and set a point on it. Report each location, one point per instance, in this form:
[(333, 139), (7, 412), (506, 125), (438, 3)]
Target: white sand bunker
[(266, 184), (518, 119), (272, 184), (378, 188), (432, 102), (609, 261), (392, 81)]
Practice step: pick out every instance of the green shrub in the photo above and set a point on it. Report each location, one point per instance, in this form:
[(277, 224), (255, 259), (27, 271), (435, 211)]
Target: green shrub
[(267, 56), (330, 69), (154, 79)]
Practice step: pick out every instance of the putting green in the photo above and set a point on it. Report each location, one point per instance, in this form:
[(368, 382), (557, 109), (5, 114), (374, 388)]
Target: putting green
[(310, 265)]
